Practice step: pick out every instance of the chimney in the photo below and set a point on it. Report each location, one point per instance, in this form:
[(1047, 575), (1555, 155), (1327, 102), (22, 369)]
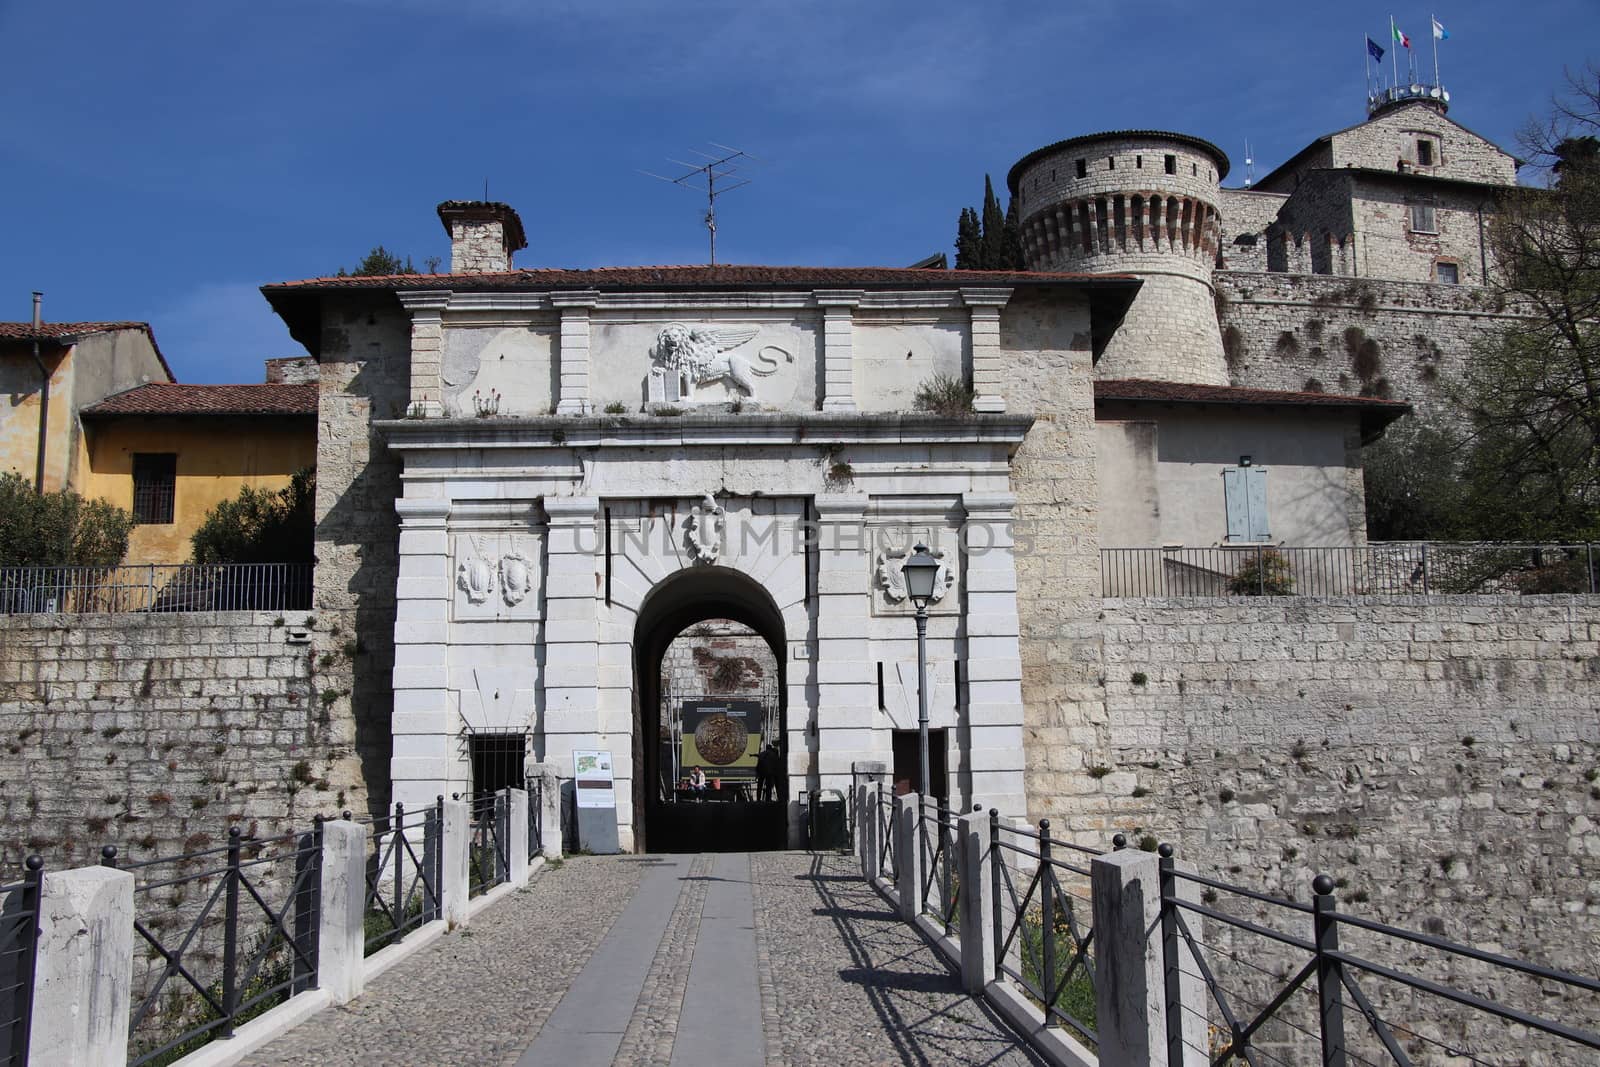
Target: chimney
[(483, 235)]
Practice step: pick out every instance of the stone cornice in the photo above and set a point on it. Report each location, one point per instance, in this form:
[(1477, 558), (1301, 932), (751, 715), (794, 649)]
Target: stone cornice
[(425, 299), (446, 300), (777, 429)]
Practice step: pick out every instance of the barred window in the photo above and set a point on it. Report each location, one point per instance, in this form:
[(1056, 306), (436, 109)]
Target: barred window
[(155, 476), (1446, 274)]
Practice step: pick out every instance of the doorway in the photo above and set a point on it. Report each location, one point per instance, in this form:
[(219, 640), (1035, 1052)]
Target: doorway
[(908, 763), (709, 685)]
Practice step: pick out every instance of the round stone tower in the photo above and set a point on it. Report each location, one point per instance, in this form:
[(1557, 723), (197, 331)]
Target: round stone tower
[(1136, 202)]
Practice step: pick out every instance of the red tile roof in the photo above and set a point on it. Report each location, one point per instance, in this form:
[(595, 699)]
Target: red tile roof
[(60, 331), (693, 276), (172, 399)]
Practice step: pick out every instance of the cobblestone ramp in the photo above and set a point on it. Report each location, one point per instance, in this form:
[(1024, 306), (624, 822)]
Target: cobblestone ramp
[(837, 978)]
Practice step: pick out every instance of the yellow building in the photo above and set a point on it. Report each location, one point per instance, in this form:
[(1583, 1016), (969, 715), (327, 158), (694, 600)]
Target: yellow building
[(85, 363), (169, 453)]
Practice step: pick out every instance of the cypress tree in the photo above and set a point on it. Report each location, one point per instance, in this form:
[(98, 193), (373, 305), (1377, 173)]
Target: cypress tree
[(969, 240), (1013, 238), (994, 230)]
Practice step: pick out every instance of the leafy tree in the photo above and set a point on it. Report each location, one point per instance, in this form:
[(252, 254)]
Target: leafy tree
[(990, 240), (380, 261), (58, 529), (261, 525)]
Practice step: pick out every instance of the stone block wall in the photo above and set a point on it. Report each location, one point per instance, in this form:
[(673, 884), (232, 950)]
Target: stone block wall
[(157, 732), (1294, 331), (1439, 756), (365, 357)]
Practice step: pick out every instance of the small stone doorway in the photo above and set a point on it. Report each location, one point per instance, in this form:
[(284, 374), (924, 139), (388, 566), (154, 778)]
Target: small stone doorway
[(908, 763)]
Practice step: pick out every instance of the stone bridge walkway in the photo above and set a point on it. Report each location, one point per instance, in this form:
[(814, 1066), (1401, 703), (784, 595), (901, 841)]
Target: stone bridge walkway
[(731, 959)]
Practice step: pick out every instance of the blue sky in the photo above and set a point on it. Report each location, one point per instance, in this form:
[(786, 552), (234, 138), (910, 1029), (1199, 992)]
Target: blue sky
[(161, 161)]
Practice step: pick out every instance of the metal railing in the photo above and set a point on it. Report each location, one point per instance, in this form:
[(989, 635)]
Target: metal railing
[(490, 861), (1399, 568), (405, 870), (259, 898), (1280, 992), (937, 838), (155, 587), (888, 857), (535, 788), (1035, 926), (19, 945)]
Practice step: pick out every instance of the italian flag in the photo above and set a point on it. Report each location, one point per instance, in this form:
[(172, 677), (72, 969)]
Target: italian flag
[(1399, 35)]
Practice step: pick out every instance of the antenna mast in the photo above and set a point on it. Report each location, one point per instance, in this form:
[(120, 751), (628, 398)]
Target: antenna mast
[(716, 169)]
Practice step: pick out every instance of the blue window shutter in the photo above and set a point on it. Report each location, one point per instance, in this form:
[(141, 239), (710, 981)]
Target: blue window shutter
[(1256, 500), (1233, 493)]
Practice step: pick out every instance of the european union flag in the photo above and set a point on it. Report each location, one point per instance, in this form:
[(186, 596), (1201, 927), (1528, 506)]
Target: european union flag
[(1373, 50)]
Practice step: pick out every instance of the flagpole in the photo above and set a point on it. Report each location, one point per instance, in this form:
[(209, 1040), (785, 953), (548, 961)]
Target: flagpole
[(1366, 65), (1434, 33), (1394, 60)]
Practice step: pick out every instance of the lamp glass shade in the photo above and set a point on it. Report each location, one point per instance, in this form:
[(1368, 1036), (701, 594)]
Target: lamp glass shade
[(921, 570)]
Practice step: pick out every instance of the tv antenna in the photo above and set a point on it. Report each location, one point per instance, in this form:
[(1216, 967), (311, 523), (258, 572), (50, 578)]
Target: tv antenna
[(717, 169)]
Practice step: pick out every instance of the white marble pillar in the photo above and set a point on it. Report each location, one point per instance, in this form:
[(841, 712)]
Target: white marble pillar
[(427, 350), (573, 352), (423, 726), (847, 683), (988, 371), (994, 662), (838, 348)]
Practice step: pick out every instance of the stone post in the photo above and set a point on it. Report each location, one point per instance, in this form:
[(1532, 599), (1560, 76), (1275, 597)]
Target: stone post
[(517, 828), (867, 774), (83, 980), (341, 935), (549, 813), (908, 855), (457, 856), (1130, 991), (977, 903)]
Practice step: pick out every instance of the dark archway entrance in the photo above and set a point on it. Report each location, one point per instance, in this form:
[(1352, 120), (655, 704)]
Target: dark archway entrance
[(664, 822)]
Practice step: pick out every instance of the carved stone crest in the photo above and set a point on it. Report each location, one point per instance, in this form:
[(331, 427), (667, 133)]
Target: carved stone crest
[(516, 578), (892, 579), (703, 530), (690, 356), (475, 578)]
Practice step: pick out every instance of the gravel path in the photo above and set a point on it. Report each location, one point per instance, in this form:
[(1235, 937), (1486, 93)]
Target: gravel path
[(478, 996), (851, 983), (837, 977)]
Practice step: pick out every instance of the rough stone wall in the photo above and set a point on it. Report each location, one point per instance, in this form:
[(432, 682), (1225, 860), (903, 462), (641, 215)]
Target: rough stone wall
[(1057, 529), (293, 370), (1293, 331), (478, 246), (158, 732), (365, 376), (1246, 215), (1391, 138), (1389, 248), (1440, 757)]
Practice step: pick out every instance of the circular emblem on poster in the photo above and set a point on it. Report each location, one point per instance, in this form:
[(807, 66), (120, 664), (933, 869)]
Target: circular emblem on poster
[(720, 739)]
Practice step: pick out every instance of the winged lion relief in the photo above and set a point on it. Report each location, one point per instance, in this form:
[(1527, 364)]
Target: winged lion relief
[(690, 356)]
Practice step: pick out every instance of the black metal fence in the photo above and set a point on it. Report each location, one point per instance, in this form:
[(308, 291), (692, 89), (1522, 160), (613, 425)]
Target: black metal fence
[(888, 857), (223, 934), (1043, 927), (405, 871), (937, 830), (1411, 568), (490, 862), (19, 944), (156, 587), (1283, 985)]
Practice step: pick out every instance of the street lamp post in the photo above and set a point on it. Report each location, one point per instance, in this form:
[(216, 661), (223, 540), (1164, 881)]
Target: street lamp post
[(921, 571)]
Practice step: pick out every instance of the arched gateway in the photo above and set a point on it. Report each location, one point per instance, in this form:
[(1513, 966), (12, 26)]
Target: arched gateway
[(547, 560)]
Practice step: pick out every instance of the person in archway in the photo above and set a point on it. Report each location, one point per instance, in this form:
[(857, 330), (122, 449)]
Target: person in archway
[(697, 779), (769, 766)]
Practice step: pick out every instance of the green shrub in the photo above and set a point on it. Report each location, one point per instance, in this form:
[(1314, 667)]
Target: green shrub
[(944, 394), (261, 525), (59, 529), (1263, 574)]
